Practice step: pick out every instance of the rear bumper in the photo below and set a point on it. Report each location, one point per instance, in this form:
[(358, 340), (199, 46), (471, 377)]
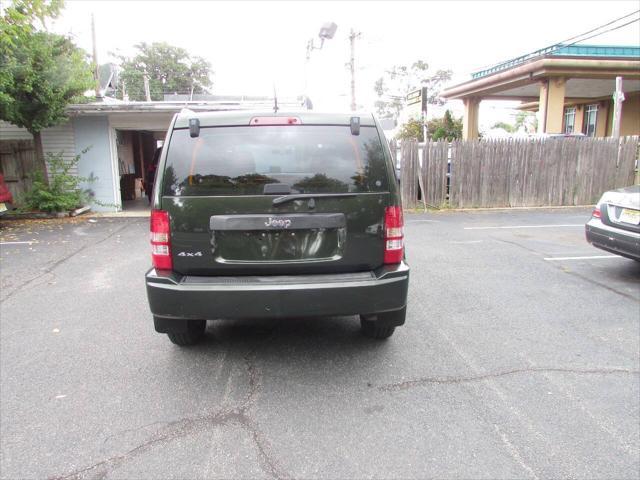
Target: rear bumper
[(614, 240), (174, 296)]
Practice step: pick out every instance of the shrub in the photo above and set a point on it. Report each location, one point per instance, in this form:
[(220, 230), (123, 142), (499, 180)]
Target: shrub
[(63, 193), (412, 130)]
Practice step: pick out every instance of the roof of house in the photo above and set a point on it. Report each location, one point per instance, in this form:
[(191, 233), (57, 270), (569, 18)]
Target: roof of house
[(590, 71), (560, 50), (111, 105)]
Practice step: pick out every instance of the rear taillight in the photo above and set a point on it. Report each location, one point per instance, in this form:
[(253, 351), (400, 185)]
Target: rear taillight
[(161, 240), (393, 235), (596, 212)]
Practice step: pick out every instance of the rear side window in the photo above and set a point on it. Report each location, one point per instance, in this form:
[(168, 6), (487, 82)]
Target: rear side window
[(307, 158)]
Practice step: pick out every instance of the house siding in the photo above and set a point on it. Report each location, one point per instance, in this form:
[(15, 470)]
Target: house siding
[(95, 132), (60, 139), (8, 131), (55, 140)]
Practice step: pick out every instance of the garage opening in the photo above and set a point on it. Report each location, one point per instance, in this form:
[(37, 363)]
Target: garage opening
[(138, 153)]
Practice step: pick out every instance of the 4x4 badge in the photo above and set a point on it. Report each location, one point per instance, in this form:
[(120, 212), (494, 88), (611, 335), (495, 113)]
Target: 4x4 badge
[(190, 254), (278, 222)]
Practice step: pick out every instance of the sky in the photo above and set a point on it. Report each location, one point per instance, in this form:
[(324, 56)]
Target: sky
[(254, 45)]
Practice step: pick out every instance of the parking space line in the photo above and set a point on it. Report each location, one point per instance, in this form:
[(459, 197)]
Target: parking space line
[(591, 257), (526, 226), (16, 243)]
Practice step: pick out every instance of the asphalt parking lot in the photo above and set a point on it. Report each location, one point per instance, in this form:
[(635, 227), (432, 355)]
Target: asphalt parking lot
[(519, 359)]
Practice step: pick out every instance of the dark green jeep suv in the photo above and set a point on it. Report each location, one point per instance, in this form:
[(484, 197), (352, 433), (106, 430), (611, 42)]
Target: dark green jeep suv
[(275, 215)]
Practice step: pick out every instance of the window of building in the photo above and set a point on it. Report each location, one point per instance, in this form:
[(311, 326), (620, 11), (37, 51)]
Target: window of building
[(590, 116), (569, 119)]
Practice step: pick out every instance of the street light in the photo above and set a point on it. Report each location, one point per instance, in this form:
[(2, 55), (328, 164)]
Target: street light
[(327, 32)]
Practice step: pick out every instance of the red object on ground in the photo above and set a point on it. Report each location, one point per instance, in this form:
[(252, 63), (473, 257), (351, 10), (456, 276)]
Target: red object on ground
[(5, 194)]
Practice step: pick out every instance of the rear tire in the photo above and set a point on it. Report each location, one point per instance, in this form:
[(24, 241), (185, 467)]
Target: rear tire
[(371, 329), (382, 325), (193, 335)]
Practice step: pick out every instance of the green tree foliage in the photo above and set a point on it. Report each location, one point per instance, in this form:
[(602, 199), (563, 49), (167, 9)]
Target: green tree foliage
[(63, 193), (412, 130), (445, 128), (320, 183), (28, 14), (170, 70), (393, 87), (505, 126), (41, 72), (526, 120)]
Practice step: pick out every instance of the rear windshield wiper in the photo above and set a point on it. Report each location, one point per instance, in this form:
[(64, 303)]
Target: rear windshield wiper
[(302, 196)]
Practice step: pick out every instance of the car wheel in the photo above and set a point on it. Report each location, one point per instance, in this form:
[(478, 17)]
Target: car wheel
[(372, 329), (194, 333), (382, 325)]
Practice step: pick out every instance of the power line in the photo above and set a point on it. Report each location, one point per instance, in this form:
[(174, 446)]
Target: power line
[(562, 42), (606, 31), (601, 26)]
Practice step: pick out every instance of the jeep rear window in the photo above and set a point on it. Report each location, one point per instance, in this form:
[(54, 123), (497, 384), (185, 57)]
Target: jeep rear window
[(307, 158)]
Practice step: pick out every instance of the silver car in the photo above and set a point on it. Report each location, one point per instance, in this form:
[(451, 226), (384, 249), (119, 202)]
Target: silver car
[(615, 223)]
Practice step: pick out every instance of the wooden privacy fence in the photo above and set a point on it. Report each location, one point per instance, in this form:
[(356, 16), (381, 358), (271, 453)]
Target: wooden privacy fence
[(17, 162), (515, 173), (409, 172)]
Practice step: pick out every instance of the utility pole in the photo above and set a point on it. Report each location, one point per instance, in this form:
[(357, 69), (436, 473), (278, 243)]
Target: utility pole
[(352, 66), (147, 92), (96, 68), (423, 105), (618, 98)]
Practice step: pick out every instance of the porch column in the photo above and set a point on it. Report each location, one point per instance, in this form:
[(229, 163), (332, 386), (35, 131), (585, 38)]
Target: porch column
[(470, 120), (552, 105), (578, 125)]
